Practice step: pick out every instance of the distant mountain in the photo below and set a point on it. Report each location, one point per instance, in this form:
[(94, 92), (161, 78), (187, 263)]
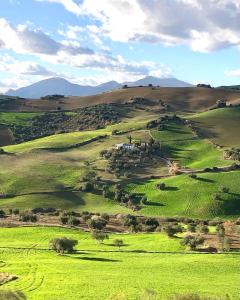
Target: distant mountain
[(57, 85), (164, 82)]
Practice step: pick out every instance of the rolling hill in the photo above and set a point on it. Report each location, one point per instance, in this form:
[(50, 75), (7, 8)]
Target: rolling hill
[(190, 99)]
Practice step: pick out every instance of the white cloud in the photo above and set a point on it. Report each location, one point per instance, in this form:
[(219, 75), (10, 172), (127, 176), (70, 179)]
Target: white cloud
[(232, 73), (23, 40), (70, 5), (10, 65), (204, 25)]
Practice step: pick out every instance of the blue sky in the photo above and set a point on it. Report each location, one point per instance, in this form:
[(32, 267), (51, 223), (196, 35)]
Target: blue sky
[(94, 41)]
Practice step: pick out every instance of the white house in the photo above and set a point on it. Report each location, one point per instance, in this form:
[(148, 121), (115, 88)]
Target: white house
[(125, 146)]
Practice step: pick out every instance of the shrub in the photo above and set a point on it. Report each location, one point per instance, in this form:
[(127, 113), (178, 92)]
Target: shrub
[(220, 230), (98, 223), (64, 219), (194, 176), (2, 213), (171, 230), (161, 186), (73, 221), (61, 245), (118, 243), (223, 189), (192, 241), (216, 197), (130, 220), (203, 229), (12, 295), (152, 222), (191, 227), (88, 187), (28, 217), (15, 211)]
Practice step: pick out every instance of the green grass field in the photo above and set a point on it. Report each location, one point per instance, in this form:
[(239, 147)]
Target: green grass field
[(181, 145), (95, 273), (185, 196), (16, 118), (220, 125)]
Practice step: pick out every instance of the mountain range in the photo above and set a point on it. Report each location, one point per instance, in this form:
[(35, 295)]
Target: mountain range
[(57, 85)]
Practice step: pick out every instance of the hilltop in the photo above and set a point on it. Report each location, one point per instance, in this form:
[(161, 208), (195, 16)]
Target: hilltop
[(181, 99)]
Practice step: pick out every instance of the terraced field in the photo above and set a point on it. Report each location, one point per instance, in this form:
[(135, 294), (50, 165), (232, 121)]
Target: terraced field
[(100, 271)]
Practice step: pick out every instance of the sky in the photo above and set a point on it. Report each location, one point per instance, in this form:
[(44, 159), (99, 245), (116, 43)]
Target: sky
[(95, 41)]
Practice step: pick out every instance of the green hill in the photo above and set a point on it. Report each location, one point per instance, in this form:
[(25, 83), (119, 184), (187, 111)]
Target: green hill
[(220, 125)]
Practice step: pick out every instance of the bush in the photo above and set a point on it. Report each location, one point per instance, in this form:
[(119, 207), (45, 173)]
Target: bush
[(216, 197), (73, 221), (130, 220), (61, 245), (64, 220), (152, 222), (88, 187), (203, 229), (192, 241), (12, 295), (223, 189), (98, 223), (171, 230), (28, 217), (2, 213), (194, 176), (161, 186), (191, 227), (15, 211)]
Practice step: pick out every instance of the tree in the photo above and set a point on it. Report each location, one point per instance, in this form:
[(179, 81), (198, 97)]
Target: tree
[(171, 230), (161, 186), (191, 227), (152, 222), (73, 221), (118, 243), (130, 220), (220, 230), (15, 211), (192, 241), (62, 245), (99, 236), (203, 229), (98, 223)]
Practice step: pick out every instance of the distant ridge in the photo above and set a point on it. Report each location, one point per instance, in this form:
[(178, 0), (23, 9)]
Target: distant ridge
[(58, 85)]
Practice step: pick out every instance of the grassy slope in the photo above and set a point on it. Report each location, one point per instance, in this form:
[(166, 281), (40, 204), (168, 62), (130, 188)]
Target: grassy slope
[(56, 141), (220, 125), (16, 118), (180, 99), (182, 146), (185, 196), (113, 275)]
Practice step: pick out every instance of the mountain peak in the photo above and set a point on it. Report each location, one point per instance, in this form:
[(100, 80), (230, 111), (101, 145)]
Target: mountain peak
[(59, 85)]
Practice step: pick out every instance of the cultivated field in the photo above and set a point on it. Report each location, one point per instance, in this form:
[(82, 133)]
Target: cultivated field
[(101, 271)]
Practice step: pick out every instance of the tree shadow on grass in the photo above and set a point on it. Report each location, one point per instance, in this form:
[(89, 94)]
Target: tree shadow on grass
[(152, 203), (205, 179), (171, 188), (98, 259)]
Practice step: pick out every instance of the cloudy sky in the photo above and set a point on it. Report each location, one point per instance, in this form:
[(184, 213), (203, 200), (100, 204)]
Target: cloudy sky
[(94, 41)]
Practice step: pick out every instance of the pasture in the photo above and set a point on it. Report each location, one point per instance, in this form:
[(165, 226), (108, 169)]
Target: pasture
[(100, 271)]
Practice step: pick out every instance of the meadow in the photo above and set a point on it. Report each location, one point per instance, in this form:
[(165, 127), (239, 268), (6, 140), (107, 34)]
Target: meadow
[(100, 271)]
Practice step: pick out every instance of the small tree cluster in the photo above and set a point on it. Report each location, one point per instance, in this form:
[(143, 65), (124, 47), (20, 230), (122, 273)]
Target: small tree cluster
[(62, 245)]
